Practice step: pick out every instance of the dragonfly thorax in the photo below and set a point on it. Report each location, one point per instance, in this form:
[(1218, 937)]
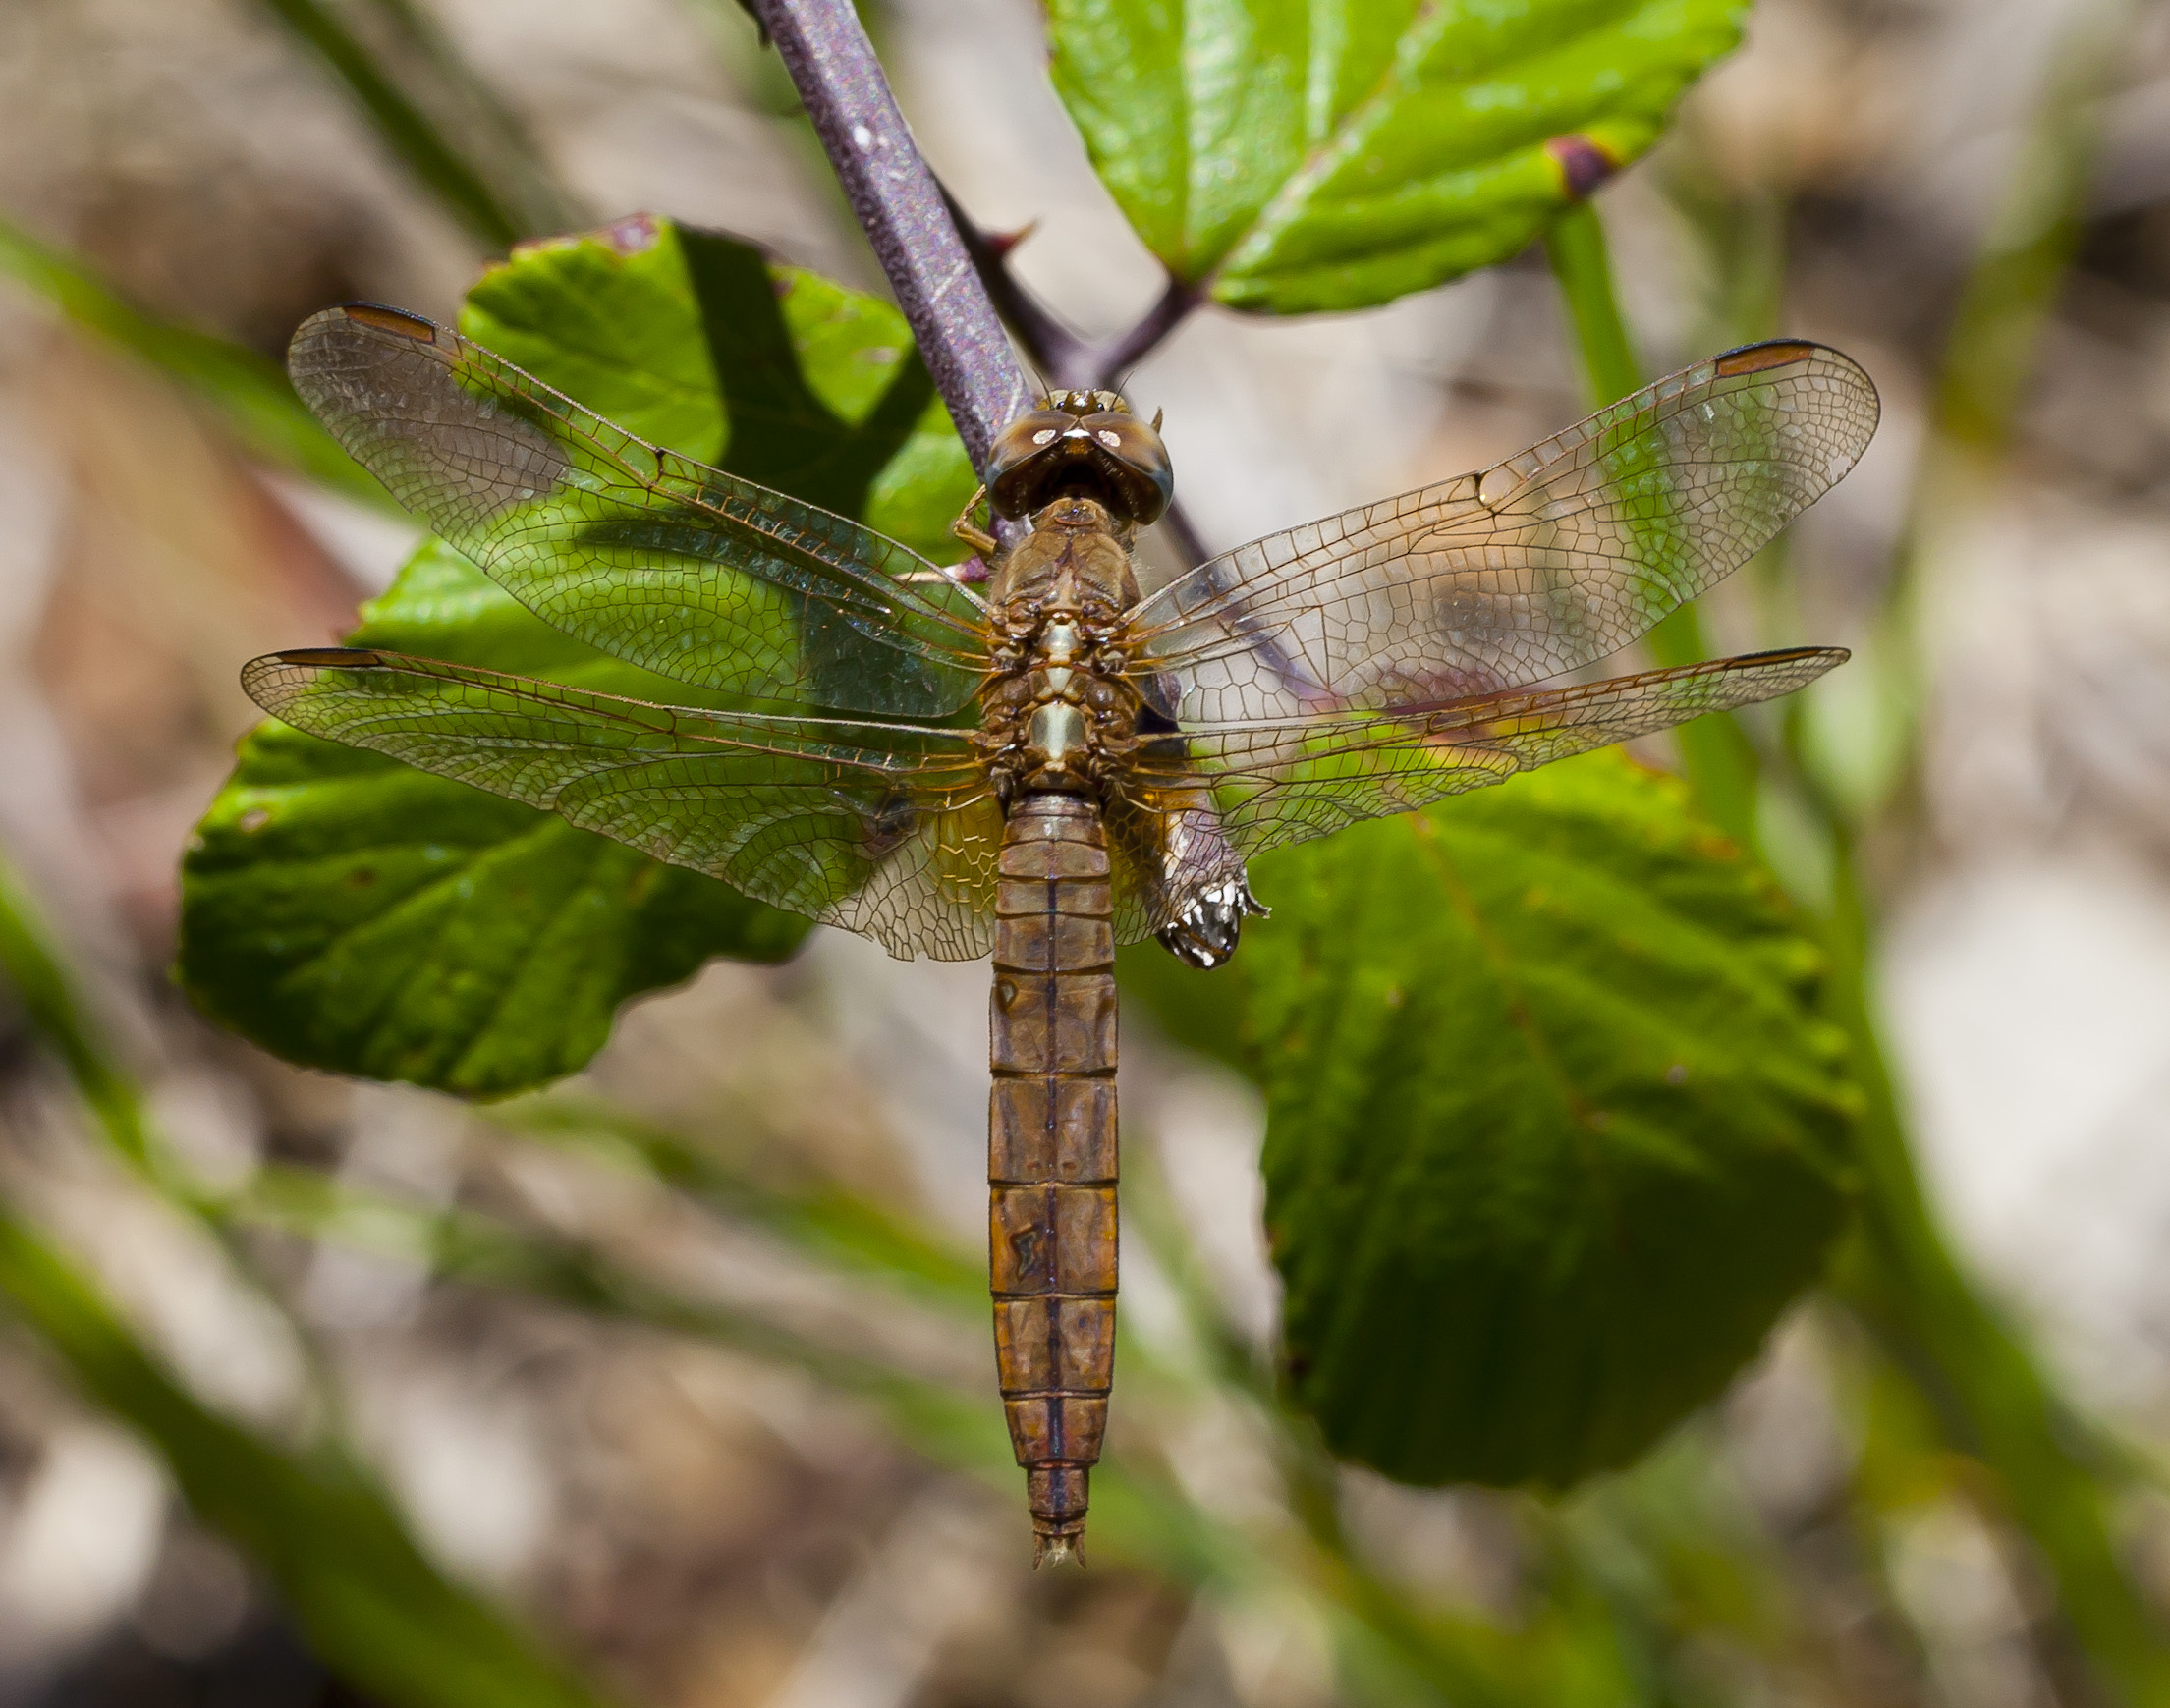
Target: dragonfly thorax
[(1060, 713)]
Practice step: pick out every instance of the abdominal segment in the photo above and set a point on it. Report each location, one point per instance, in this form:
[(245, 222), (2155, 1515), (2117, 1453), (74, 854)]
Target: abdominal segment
[(1051, 1153)]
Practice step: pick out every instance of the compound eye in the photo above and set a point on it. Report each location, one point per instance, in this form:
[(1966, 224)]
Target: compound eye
[(1123, 434), (1017, 451), (1026, 438), (1140, 458)]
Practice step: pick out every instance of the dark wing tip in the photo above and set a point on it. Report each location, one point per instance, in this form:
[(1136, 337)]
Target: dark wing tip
[(1838, 374), (388, 320), (333, 657), (1830, 656), (1777, 352), (1772, 353), (329, 331)]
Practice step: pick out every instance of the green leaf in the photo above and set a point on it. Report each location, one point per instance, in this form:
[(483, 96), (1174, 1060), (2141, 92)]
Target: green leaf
[(697, 342), (372, 1604), (1554, 1131), (1293, 155), (348, 913)]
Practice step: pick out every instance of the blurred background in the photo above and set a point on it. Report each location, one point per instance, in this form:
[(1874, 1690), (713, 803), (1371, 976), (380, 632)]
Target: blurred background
[(728, 1467)]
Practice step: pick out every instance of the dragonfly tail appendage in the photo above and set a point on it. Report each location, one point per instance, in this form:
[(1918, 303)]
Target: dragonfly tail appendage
[(1051, 1155)]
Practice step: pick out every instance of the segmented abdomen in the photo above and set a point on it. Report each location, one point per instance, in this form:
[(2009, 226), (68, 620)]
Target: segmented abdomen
[(1051, 1152)]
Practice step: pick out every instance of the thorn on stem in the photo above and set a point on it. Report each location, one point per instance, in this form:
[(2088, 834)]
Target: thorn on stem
[(746, 6)]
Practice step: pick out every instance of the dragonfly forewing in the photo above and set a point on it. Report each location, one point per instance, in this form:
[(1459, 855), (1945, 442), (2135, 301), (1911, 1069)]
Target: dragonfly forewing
[(647, 555), (1522, 572)]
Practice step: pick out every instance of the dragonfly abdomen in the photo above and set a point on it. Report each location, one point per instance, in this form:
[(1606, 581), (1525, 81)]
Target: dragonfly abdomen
[(1051, 1152)]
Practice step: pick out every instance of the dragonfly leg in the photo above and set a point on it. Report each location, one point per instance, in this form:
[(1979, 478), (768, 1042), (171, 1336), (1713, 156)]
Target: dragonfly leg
[(980, 541)]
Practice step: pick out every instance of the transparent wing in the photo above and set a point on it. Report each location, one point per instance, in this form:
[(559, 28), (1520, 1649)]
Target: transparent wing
[(1524, 571), (888, 830), (644, 554), (1197, 804)]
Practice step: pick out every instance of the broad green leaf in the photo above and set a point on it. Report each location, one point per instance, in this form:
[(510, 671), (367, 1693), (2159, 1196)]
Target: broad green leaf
[(657, 558), (697, 342), (1553, 1132), (1293, 155), (349, 913), (372, 1604)]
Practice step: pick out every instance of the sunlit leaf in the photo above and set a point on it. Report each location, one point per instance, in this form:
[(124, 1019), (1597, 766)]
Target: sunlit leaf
[(1290, 155), (1553, 1132), (700, 343), (347, 911)]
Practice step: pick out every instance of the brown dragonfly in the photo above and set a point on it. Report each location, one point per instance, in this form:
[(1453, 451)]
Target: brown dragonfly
[(1061, 763)]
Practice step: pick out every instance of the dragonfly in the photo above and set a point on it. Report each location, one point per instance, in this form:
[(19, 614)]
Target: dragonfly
[(1052, 762)]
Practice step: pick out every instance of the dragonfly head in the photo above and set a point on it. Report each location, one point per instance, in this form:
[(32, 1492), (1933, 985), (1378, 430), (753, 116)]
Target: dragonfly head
[(1085, 444)]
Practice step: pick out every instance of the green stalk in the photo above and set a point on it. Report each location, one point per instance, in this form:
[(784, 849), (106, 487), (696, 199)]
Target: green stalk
[(2052, 1474), (1977, 1375), (403, 126), (1720, 763), (49, 1003), (1994, 340), (372, 1603), (497, 145), (1581, 262), (314, 1520), (249, 392), (829, 1223)]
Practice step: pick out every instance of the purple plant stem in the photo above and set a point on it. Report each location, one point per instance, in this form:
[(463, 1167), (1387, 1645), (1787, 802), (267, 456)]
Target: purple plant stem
[(1069, 362), (946, 274), (900, 206), (1112, 360), (1058, 353)]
